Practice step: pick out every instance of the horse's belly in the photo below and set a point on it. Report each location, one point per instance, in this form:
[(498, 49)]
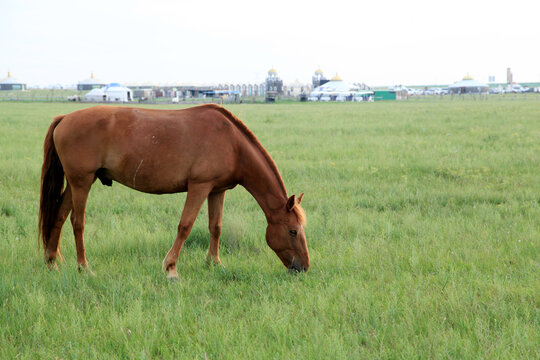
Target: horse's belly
[(149, 181), (158, 177)]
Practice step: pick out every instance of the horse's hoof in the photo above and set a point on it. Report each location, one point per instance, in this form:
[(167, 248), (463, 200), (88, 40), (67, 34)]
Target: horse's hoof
[(216, 265), (86, 270), (50, 260), (213, 261), (171, 273)]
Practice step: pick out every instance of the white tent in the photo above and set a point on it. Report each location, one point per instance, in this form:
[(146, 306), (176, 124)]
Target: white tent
[(117, 92), (467, 86), (113, 92), (333, 89), (96, 95)]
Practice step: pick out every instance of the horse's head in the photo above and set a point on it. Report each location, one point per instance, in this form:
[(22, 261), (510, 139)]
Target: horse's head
[(286, 236)]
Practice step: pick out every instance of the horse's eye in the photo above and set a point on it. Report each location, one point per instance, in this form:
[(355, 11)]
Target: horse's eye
[(292, 232)]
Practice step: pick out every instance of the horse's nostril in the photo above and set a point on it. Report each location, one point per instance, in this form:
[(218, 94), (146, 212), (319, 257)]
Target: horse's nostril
[(296, 267)]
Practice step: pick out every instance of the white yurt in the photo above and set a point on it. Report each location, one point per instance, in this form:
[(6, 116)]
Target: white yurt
[(113, 92), (96, 95), (468, 86), (118, 93), (333, 89)]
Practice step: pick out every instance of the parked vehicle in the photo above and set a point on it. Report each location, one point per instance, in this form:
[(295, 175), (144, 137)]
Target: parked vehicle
[(514, 88), (325, 97)]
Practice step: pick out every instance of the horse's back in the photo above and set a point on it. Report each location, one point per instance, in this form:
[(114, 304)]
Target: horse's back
[(157, 151)]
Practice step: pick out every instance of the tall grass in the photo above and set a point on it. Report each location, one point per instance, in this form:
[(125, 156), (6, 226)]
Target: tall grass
[(423, 229)]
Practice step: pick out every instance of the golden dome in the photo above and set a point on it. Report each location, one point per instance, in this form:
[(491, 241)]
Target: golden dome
[(10, 79), (336, 78), (272, 71), (468, 77), (318, 71)]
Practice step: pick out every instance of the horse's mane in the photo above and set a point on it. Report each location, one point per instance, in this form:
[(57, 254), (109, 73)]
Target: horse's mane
[(253, 139), (298, 210)]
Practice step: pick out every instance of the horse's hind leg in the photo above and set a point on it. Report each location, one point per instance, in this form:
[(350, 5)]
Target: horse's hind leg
[(197, 193), (53, 245), (80, 196), (215, 215)]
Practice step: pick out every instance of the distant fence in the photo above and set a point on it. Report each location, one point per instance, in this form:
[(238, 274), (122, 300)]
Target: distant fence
[(61, 95), (64, 95)]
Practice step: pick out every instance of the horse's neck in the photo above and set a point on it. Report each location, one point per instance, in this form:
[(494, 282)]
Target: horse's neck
[(263, 183)]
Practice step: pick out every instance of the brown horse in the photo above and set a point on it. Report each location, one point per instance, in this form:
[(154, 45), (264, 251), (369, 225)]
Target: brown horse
[(204, 150)]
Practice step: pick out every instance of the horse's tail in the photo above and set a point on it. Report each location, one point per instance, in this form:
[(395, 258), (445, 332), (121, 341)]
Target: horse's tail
[(52, 184)]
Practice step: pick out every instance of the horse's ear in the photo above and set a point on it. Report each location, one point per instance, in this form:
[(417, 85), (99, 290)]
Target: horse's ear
[(291, 203), (299, 200)]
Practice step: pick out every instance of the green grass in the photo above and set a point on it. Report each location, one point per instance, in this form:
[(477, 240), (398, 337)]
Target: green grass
[(423, 230)]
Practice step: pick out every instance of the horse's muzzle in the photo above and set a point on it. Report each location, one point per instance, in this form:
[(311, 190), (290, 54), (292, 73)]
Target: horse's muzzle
[(297, 267)]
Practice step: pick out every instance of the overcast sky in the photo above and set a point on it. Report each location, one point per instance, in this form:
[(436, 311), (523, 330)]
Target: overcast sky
[(375, 42)]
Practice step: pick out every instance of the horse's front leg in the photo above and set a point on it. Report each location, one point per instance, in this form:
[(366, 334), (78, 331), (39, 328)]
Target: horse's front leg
[(215, 215), (197, 193)]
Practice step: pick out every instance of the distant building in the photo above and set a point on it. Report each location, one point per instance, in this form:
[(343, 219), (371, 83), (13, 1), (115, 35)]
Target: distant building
[(243, 89), (334, 90), (274, 83), (318, 79), (296, 88), (118, 93), (468, 86), (91, 83), (396, 94), (113, 92), (11, 83), (509, 76)]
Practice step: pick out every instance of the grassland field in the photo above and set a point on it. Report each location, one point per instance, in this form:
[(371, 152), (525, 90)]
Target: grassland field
[(423, 230)]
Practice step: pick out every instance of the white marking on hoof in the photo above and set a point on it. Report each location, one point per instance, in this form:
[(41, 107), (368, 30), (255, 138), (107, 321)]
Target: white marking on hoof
[(172, 275)]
